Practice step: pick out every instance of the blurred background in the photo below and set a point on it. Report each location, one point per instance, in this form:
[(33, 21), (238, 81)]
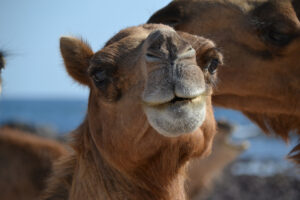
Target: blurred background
[(37, 92)]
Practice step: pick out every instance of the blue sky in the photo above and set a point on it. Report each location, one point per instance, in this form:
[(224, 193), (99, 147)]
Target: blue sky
[(30, 32)]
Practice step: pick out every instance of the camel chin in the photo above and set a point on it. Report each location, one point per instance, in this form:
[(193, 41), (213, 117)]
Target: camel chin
[(177, 117)]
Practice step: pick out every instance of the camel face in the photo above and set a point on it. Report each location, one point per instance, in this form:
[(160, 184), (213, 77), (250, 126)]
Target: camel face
[(150, 75), (261, 43), (175, 92)]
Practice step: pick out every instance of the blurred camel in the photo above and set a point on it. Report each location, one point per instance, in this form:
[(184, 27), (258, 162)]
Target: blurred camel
[(260, 40)]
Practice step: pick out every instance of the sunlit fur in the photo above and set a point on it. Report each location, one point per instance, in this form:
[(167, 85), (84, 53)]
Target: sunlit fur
[(260, 40), (119, 155)]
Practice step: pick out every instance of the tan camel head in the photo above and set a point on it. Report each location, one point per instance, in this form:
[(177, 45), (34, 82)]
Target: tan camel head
[(157, 74), (145, 76), (260, 40)]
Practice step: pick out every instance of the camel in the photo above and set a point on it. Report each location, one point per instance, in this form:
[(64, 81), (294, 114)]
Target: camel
[(149, 113), (2, 61), (2, 64), (25, 154), (260, 40), (26, 161)]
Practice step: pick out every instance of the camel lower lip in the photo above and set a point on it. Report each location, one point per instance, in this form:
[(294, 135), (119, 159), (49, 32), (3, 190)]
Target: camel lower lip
[(176, 118)]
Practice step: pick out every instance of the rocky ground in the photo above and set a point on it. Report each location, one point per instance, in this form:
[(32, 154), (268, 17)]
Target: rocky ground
[(280, 186)]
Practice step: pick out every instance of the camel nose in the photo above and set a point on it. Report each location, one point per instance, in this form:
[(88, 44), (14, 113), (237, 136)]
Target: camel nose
[(188, 80), (173, 70)]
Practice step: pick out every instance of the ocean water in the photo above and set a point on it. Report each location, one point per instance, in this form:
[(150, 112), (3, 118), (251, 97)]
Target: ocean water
[(62, 116), (65, 115)]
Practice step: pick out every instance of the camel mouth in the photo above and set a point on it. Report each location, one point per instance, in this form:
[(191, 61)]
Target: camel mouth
[(183, 101), (176, 101), (179, 99), (177, 116)]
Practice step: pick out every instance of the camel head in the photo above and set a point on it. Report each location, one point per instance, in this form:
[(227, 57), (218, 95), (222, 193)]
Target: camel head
[(260, 40), (146, 87)]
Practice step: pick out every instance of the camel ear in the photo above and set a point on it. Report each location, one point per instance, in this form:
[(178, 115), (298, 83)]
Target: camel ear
[(76, 54), (171, 15)]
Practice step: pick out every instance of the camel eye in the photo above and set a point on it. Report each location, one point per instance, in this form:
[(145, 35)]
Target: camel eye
[(100, 79), (277, 38), (99, 76), (213, 65)]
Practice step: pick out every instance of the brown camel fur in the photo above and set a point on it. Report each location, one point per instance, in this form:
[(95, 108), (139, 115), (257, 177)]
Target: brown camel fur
[(202, 173), (260, 40), (149, 113), (25, 162)]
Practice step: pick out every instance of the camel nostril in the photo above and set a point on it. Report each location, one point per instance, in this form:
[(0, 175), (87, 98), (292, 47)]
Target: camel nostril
[(152, 57)]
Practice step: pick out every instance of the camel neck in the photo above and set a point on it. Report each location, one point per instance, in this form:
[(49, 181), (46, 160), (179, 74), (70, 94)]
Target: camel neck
[(95, 178)]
